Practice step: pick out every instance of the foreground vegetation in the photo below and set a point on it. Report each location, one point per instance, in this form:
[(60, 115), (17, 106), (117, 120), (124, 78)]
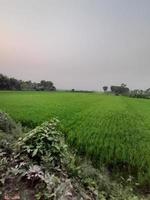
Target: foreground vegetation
[(113, 131), (39, 165)]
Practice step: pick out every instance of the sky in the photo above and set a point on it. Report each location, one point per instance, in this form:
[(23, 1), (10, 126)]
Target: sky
[(81, 44)]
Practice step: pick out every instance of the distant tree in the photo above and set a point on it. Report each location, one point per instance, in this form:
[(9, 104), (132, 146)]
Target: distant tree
[(4, 82), (47, 85), (27, 85), (140, 94), (14, 84), (123, 85), (117, 90), (105, 88), (148, 91), (53, 88)]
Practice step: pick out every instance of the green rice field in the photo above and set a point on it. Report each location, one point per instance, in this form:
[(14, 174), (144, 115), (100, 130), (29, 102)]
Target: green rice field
[(112, 130)]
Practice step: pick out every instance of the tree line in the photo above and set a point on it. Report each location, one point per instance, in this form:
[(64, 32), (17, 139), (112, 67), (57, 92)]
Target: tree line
[(124, 90), (7, 83)]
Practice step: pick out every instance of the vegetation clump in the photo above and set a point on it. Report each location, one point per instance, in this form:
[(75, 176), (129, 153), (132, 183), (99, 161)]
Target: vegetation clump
[(140, 94), (8, 125), (7, 83), (44, 140), (120, 90), (41, 163)]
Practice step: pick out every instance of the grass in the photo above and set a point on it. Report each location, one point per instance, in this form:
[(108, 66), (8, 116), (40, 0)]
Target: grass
[(111, 130)]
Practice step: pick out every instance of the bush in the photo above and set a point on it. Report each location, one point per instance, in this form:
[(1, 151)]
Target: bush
[(139, 94), (8, 125), (43, 141)]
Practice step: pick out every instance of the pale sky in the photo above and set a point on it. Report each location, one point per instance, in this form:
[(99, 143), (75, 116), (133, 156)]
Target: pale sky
[(81, 44)]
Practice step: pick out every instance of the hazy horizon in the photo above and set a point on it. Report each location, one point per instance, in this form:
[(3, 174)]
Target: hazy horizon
[(81, 44)]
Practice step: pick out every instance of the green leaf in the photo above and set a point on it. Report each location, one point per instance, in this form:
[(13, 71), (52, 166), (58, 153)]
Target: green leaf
[(34, 152)]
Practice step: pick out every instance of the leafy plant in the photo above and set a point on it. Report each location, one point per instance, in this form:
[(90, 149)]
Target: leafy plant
[(45, 140), (8, 125)]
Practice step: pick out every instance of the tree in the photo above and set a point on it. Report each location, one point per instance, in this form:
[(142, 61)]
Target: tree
[(47, 85), (140, 94), (117, 90), (4, 82), (105, 88), (14, 84), (123, 85)]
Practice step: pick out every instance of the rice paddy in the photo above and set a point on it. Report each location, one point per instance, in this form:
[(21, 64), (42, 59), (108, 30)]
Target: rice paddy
[(112, 130)]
